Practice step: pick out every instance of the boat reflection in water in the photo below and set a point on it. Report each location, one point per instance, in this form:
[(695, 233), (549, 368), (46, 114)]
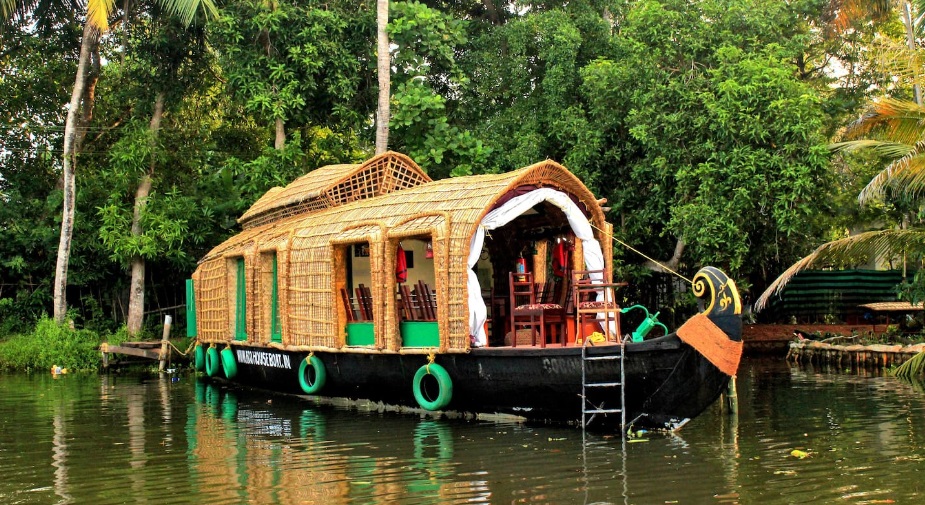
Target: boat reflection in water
[(287, 454)]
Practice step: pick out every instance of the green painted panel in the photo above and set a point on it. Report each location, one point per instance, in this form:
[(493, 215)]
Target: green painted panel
[(361, 333), (419, 334), (190, 309), (276, 330), (240, 320)]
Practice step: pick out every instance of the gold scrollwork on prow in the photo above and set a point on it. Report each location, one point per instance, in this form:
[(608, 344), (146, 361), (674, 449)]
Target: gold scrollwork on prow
[(720, 291)]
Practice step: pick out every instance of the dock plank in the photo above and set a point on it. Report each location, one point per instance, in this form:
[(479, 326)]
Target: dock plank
[(132, 351)]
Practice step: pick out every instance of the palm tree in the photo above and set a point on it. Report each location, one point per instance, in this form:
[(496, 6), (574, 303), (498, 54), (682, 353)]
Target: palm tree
[(383, 68), (894, 129), (80, 107), (891, 128)]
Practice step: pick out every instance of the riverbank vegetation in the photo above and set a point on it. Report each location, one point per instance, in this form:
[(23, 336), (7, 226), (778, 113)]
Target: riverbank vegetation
[(706, 125), (51, 345)]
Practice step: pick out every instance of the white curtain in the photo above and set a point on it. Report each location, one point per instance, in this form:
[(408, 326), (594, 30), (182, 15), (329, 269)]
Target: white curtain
[(594, 258)]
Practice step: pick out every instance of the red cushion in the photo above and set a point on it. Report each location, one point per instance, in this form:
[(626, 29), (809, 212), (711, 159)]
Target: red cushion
[(598, 305), (540, 306)]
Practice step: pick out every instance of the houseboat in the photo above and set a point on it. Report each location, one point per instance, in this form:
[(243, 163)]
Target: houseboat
[(486, 294)]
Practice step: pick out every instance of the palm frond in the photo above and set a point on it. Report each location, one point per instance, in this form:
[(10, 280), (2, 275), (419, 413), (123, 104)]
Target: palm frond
[(881, 147), (856, 249), (913, 367), (848, 12), (905, 175), (898, 60), (7, 8), (11, 9), (186, 10), (44, 13), (889, 119), (98, 12), (918, 9)]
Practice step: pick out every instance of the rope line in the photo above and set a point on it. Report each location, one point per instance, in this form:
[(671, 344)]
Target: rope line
[(188, 349), (637, 251)]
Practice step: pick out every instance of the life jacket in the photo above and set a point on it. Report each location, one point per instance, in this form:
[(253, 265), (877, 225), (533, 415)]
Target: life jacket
[(401, 266), (560, 259)]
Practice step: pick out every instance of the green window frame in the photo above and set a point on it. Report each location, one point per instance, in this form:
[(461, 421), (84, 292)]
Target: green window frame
[(276, 329), (240, 313)]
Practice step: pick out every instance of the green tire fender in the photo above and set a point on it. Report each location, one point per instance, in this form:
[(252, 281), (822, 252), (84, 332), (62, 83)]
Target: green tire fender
[(213, 362), (426, 399), (229, 364), (312, 366), (199, 358)]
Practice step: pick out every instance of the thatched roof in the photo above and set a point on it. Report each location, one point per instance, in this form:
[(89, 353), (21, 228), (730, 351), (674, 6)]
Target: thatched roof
[(467, 199), (334, 185)]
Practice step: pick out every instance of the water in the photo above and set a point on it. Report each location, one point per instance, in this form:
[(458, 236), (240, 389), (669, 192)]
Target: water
[(129, 439)]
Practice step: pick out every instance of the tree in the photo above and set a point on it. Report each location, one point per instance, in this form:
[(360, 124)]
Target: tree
[(30, 137), (383, 71), (168, 59), (891, 129), (80, 110), (689, 117), (297, 65), (425, 90)]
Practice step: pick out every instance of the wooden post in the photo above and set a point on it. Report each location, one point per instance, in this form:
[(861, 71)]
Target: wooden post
[(165, 342), (732, 399)]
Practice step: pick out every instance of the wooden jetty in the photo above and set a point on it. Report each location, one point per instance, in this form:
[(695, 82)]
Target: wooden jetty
[(852, 356), (153, 350), (776, 338)]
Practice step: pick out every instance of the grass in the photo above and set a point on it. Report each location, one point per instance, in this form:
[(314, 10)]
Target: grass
[(50, 345)]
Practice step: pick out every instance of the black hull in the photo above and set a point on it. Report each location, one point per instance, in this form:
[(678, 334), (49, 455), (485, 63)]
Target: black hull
[(667, 381)]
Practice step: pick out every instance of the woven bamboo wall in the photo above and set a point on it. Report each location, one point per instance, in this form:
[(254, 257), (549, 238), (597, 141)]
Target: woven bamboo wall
[(311, 250)]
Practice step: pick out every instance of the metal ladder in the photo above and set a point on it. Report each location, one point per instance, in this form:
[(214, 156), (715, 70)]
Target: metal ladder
[(588, 407)]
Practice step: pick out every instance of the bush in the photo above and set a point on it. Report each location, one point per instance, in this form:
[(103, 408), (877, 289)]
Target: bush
[(50, 345)]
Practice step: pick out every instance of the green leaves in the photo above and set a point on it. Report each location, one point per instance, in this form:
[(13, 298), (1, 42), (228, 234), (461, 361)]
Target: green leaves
[(426, 41), (424, 38), (301, 62), (164, 222)]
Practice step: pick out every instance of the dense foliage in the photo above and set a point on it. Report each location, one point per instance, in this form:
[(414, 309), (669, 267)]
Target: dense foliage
[(704, 124), (53, 345)]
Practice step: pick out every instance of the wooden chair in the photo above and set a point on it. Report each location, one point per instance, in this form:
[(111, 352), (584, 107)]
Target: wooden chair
[(407, 305), (427, 301), (349, 308), (594, 296), (525, 313), (554, 303), (365, 303)]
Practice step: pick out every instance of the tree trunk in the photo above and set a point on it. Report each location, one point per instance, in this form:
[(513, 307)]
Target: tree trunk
[(89, 40), (672, 264), (492, 12), (280, 134), (89, 95), (384, 68), (136, 297), (910, 40)]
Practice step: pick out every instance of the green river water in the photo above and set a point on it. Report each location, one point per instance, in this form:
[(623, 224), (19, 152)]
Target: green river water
[(144, 439)]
